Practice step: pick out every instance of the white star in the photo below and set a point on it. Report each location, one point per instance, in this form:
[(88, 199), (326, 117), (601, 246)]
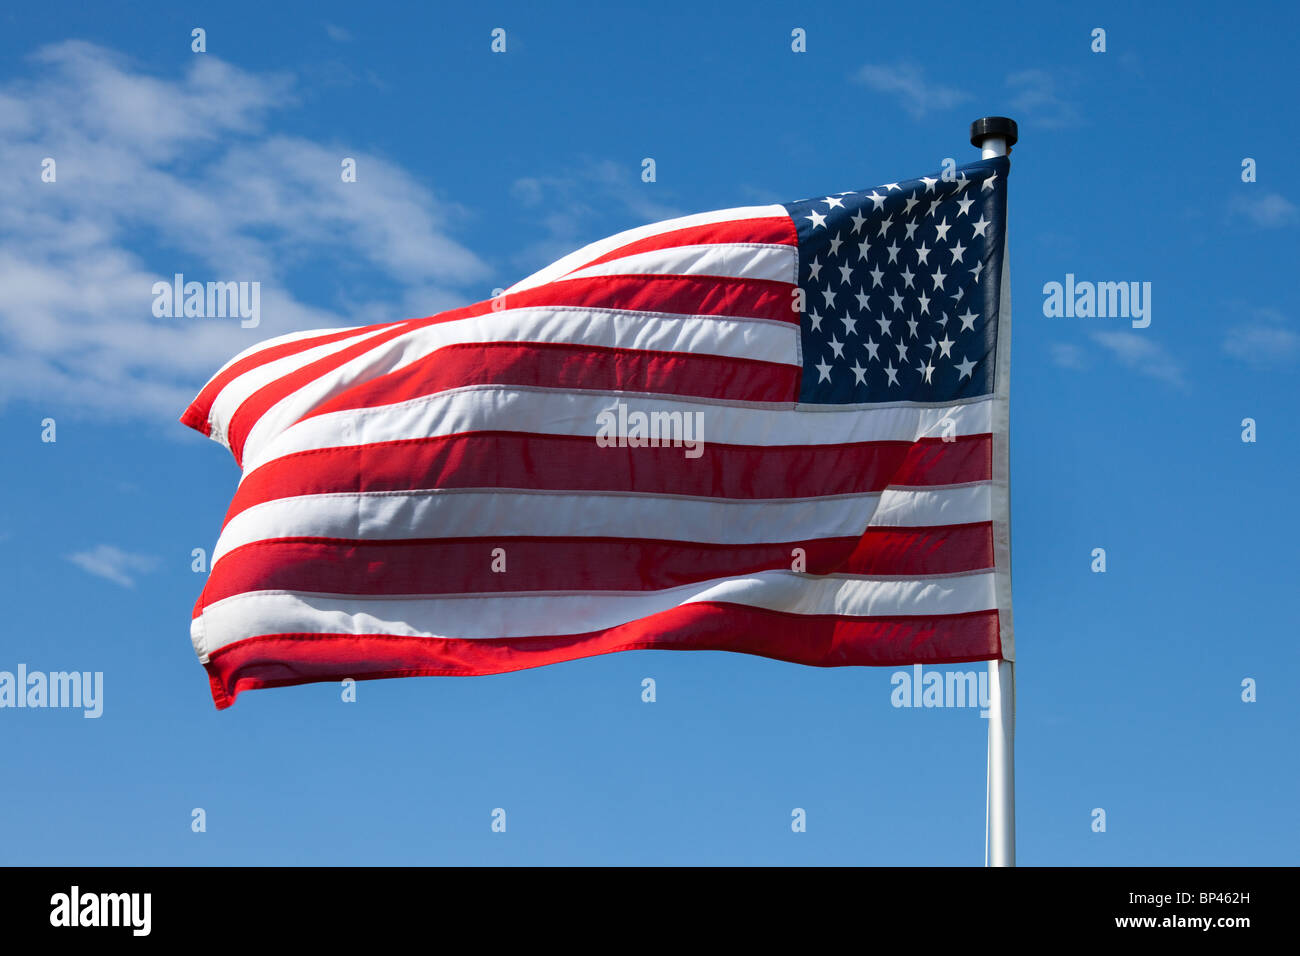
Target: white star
[(889, 186), (898, 302), (945, 345), (979, 267), (830, 297), (837, 347), (816, 320), (814, 268), (832, 203), (858, 220), (876, 275), (823, 373), (846, 274), (938, 278), (929, 183), (962, 183), (885, 224), (943, 227), (836, 242), (925, 304), (911, 327), (862, 299), (958, 253), (921, 252), (817, 219), (965, 205), (859, 373), (893, 251), (892, 373), (877, 199), (885, 325), (980, 225), (927, 370), (864, 247), (965, 368), (872, 348), (902, 351), (968, 320), (850, 326), (988, 183), (911, 229), (911, 201), (908, 277)]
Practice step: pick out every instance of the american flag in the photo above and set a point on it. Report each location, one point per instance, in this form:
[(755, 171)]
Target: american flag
[(471, 493)]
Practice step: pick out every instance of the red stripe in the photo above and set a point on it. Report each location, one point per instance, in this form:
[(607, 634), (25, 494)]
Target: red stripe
[(577, 463), (769, 230), (196, 416), (257, 404), (681, 295), (549, 365), (710, 295), (280, 660), (464, 565), (941, 549)]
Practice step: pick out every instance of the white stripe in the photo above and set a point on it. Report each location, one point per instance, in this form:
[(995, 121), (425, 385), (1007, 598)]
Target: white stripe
[(589, 253), (494, 512), (760, 339), (280, 340), (239, 389), (735, 260), (559, 412), (478, 617), (916, 507)]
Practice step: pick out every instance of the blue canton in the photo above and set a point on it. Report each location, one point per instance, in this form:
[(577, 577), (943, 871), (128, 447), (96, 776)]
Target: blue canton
[(901, 287)]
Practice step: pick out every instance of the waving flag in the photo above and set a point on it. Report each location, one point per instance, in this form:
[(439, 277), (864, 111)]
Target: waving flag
[(780, 430)]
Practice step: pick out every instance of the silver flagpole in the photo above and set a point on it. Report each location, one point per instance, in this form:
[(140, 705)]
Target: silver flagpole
[(995, 135), (1001, 826)]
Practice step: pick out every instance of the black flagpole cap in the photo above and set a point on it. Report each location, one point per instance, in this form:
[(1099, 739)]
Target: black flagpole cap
[(987, 126)]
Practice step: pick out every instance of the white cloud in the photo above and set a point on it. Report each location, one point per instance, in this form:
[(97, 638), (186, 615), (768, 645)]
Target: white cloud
[(598, 199), (907, 82), (1143, 354), (337, 33), (1067, 355), (114, 564), (1034, 97), (163, 175), (1268, 210), (1267, 338)]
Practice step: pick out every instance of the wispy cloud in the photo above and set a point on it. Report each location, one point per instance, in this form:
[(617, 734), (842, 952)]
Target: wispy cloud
[(1267, 210), (113, 564), (595, 199), (908, 83), (1068, 355), (1036, 99), (337, 33), (1266, 338), (1142, 354), (157, 175)]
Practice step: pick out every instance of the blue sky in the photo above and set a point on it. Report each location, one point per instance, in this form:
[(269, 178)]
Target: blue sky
[(475, 169)]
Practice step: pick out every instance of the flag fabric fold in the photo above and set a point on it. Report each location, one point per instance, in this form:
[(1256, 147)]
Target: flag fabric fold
[(779, 430)]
